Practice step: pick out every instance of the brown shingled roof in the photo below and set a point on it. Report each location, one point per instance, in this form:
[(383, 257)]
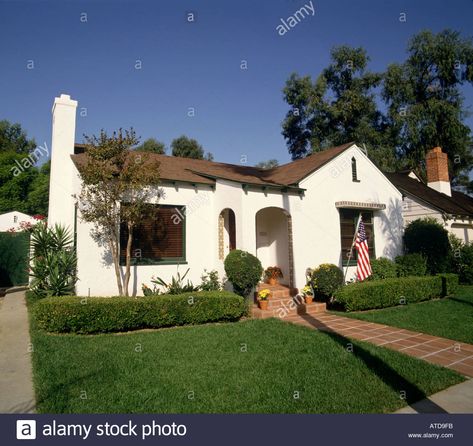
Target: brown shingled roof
[(174, 168), (458, 204)]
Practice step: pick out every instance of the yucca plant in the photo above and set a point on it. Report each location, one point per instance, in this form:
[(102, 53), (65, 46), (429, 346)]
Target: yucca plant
[(54, 262)]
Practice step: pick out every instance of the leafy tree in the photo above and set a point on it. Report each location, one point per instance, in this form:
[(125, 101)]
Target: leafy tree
[(425, 105), (117, 184), (14, 139), (22, 188), (270, 164), (14, 189), (38, 195), (152, 145), (209, 156), (337, 108), (187, 148)]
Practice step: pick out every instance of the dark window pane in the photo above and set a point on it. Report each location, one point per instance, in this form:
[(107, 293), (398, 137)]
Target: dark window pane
[(158, 237), (348, 221)]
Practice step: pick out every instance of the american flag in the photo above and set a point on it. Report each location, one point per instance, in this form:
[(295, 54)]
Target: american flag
[(363, 265)]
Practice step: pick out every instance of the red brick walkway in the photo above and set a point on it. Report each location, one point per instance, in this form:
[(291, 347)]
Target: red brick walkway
[(445, 352)]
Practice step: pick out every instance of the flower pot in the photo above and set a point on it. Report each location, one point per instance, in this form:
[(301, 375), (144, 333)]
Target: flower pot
[(272, 281), (263, 304), (309, 299)]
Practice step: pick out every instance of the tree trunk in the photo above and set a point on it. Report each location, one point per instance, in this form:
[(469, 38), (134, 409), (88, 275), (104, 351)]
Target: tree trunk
[(128, 257), (116, 263)]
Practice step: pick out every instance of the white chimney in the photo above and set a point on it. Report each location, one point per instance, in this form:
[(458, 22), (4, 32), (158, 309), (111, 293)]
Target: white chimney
[(61, 202)]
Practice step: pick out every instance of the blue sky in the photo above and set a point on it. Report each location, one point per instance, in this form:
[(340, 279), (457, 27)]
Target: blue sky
[(237, 112)]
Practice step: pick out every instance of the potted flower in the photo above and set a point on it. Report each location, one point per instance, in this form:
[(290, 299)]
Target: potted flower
[(272, 274), (308, 294), (263, 296)]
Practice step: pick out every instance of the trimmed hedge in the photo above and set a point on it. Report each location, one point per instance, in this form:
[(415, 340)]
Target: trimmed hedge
[(383, 268), (391, 292), (74, 314), (414, 264), (450, 283)]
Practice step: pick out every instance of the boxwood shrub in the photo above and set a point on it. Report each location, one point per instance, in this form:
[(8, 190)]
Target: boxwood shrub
[(243, 270), (74, 314), (414, 264), (383, 268), (391, 292)]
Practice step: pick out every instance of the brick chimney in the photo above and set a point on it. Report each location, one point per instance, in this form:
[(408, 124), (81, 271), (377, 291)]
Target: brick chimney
[(436, 163)]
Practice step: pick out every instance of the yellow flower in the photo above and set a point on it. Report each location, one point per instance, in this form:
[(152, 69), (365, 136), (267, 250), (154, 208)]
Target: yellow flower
[(264, 294)]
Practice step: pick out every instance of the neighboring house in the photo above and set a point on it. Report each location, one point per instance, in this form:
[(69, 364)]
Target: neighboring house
[(435, 199), (12, 221), (295, 216)]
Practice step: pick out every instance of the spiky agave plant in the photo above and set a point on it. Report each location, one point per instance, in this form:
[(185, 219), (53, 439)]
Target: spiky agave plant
[(54, 262)]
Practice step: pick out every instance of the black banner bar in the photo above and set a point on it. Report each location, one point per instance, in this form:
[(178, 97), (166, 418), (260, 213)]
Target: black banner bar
[(103, 429)]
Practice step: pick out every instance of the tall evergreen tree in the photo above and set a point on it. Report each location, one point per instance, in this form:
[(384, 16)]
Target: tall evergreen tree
[(187, 148), (425, 104), (152, 145), (338, 107)]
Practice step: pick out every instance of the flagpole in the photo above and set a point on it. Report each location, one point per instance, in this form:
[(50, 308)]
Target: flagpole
[(351, 248)]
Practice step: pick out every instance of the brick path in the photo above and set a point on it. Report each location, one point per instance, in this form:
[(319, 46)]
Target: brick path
[(445, 352)]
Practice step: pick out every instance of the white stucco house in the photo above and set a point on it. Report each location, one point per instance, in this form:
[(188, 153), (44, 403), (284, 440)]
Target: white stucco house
[(295, 216), (13, 220)]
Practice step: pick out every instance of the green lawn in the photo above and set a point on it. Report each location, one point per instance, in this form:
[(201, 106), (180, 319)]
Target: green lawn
[(255, 366), (449, 318)]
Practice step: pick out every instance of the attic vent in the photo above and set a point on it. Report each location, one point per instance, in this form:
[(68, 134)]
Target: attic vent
[(354, 174)]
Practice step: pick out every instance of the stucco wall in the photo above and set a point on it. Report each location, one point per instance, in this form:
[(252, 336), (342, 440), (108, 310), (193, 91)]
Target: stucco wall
[(95, 267), (316, 219)]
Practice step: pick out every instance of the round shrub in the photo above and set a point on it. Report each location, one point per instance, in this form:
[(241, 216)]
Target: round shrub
[(411, 265), (383, 268), (429, 238), (243, 270), (326, 279)]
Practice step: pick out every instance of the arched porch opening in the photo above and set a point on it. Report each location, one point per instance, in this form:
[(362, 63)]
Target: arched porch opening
[(274, 241)]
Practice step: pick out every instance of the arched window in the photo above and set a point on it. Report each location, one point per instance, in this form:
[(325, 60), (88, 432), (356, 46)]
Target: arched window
[(354, 174)]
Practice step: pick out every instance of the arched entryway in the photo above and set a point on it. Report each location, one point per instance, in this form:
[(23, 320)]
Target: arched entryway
[(274, 241), (226, 233)]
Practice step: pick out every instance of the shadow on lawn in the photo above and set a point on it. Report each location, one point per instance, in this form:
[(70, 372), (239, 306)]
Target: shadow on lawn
[(382, 370), (461, 301)]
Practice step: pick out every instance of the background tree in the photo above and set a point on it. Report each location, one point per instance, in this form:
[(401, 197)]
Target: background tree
[(338, 107), (267, 164), (38, 195), (425, 105), (14, 189), (14, 139), (26, 190), (187, 148), (152, 145), (114, 175)]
